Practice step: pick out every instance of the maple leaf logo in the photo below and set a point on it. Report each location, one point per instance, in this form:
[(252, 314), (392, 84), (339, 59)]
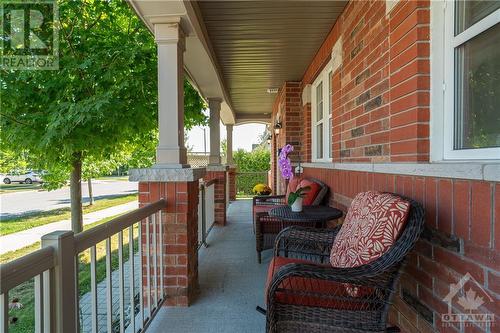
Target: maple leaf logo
[(470, 301)]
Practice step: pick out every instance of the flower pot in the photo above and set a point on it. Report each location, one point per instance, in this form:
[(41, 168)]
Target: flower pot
[(297, 205)]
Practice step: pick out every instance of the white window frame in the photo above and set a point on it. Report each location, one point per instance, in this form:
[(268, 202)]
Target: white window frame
[(443, 44), (323, 77)]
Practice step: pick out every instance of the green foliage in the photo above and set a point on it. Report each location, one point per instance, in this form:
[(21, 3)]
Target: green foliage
[(13, 160), (246, 181), (101, 103), (297, 194), (256, 160), (252, 169)]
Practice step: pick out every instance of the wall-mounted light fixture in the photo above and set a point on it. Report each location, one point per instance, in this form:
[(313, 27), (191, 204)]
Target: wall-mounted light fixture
[(277, 128), (268, 138)]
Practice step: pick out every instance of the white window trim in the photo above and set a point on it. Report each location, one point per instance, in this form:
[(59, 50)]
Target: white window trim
[(327, 116), (443, 42)]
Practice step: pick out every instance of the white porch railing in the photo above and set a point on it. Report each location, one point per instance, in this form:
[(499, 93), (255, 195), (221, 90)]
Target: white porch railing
[(55, 270), (206, 211)]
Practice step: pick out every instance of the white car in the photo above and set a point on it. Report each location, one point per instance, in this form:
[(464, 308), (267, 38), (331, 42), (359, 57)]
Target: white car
[(29, 177)]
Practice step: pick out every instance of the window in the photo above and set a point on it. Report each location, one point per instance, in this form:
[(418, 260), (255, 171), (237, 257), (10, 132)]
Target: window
[(471, 80), (322, 116)]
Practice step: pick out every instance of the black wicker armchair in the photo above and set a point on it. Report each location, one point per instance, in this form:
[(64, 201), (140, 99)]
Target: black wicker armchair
[(306, 294)]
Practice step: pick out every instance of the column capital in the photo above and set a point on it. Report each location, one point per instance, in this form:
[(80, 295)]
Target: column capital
[(170, 33)]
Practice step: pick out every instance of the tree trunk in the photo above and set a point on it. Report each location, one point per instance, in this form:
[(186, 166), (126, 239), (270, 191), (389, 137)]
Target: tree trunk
[(91, 195), (76, 193)]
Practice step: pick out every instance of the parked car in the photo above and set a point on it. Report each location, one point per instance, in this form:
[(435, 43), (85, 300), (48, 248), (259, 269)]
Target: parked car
[(27, 177)]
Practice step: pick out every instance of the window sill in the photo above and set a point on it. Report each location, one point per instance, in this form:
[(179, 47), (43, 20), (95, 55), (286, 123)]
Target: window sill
[(488, 171)]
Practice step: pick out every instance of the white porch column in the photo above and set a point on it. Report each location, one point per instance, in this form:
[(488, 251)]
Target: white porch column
[(229, 153), (214, 106), (171, 152)]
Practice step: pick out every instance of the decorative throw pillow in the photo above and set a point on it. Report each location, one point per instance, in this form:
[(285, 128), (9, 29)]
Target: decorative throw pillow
[(310, 194), (372, 225), (292, 186)]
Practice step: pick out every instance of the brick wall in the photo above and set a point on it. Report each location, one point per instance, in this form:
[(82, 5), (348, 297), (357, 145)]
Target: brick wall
[(381, 90), (381, 113), (180, 238), (291, 118), (220, 194), (459, 238)]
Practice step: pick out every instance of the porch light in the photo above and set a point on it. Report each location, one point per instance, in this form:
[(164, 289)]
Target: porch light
[(277, 128), (268, 139)]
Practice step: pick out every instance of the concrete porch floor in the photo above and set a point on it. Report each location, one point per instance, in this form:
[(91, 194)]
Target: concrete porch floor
[(231, 282)]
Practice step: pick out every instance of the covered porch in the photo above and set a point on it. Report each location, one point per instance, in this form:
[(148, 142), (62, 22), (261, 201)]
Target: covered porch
[(348, 84), (231, 282)]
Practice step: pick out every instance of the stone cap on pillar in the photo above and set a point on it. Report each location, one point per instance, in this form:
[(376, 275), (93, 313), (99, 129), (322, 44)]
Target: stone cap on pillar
[(217, 167), (166, 174)]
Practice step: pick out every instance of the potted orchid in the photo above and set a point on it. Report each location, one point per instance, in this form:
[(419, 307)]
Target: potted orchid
[(295, 199)]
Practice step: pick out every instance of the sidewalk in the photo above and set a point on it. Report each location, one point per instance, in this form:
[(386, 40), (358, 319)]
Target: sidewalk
[(24, 238)]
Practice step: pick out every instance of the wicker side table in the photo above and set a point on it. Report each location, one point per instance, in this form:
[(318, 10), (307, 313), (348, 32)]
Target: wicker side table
[(309, 214)]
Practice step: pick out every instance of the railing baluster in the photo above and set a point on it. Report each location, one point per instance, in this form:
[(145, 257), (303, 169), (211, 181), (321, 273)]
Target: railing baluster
[(93, 287), (155, 261), (148, 267), (38, 289), (4, 312), (121, 282), (48, 298), (109, 288), (162, 290), (141, 293), (131, 277)]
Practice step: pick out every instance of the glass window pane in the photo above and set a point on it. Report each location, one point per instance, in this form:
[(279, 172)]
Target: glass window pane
[(468, 12), (319, 141), (477, 91), (319, 101), (330, 92)]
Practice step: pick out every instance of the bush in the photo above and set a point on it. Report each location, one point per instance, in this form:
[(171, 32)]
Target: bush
[(245, 181), (252, 169)]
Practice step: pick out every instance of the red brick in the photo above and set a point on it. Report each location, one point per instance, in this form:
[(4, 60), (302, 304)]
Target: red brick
[(459, 263), (461, 208), (445, 206), (497, 217), (481, 213), (430, 201)]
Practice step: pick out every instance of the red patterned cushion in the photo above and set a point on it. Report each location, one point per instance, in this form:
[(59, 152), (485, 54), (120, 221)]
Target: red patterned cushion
[(292, 186), (310, 292), (311, 194), (372, 225)]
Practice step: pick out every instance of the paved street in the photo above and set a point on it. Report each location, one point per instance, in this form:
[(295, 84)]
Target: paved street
[(21, 202)]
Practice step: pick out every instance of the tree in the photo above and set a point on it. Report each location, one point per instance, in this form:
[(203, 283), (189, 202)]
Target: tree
[(101, 101)]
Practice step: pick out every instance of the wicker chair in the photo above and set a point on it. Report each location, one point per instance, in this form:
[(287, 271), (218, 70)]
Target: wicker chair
[(306, 295), (266, 227)]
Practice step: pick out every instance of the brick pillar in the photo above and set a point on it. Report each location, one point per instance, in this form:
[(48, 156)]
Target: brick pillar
[(218, 172), (231, 172), (179, 229)]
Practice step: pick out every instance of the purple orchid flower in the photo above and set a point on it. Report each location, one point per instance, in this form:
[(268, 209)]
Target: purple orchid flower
[(284, 162)]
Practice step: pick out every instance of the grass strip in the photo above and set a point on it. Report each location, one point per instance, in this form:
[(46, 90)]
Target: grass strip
[(25, 292), (31, 220)]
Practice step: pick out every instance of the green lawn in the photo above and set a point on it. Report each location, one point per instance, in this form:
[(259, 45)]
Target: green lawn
[(28, 221), (16, 187), (25, 292)]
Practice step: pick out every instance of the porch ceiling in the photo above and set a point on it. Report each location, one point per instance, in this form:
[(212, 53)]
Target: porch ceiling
[(261, 44)]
